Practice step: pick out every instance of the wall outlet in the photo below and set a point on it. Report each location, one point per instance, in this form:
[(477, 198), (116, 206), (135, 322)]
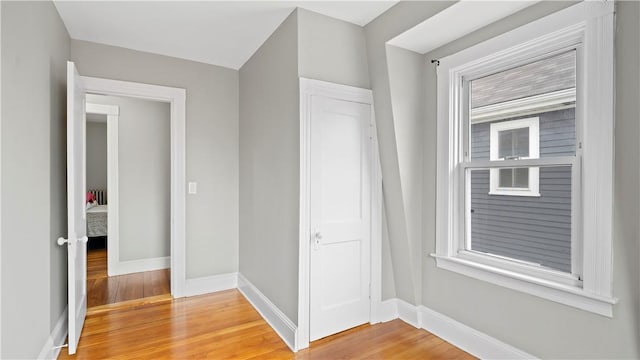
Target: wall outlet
[(193, 188)]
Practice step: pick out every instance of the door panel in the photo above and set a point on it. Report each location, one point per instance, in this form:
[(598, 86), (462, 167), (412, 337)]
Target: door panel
[(341, 167), (340, 216), (338, 260), (77, 223)]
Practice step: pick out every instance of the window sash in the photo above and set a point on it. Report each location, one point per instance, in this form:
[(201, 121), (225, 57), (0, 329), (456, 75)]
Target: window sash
[(463, 245), (510, 143), (512, 178)]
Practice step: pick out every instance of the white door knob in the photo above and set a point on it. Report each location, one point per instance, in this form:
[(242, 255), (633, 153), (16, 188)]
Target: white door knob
[(317, 236), (62, 241)]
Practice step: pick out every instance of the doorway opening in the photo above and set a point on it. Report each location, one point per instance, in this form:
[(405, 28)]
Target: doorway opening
[(77, 88), (175, 98), (127, 179)]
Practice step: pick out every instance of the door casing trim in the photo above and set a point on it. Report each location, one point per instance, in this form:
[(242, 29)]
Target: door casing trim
[(176, 97)]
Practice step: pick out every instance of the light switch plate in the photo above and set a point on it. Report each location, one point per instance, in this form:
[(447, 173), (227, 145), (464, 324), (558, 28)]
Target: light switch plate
[(193, 188)]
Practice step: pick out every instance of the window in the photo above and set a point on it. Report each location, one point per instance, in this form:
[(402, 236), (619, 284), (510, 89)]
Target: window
[(525, 149), (514, 140)]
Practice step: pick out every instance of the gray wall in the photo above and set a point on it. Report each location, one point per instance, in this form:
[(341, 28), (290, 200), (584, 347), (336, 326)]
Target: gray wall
[(269, 168), (540, 327), (35, 47), (308, 45), (388, 281), (393, 22), (144, 176), (96, 155), (625, 327), (212, 143), (407, 88), (536, 229), (331, 50)]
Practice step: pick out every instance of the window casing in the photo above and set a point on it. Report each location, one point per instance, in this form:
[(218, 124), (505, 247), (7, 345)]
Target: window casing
[(584, 281)]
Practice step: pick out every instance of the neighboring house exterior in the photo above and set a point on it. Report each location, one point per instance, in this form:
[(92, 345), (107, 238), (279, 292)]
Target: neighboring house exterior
[(524, 213)]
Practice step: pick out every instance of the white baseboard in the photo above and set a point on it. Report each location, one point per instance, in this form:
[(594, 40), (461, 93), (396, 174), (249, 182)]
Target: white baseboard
[(388, 310), (468, 339), (51, 349), (464, 337), (409, 313), (282, 325), (135, 266), (210, 284)]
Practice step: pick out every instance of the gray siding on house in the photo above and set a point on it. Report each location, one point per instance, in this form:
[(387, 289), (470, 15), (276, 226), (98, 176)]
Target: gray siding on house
[(535, 229)]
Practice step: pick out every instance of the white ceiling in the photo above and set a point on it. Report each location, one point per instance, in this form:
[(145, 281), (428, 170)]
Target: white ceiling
[(455, 22), (224, 33)]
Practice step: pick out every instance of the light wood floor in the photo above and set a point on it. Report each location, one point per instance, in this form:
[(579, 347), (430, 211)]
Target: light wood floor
[(103, 290), (224, 325)]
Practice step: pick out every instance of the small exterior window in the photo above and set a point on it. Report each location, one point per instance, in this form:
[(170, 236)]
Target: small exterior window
[(514, 140)]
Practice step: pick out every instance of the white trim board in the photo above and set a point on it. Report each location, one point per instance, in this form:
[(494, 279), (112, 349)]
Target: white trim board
[(309, 88), (177, 99), (210, 284), (55, 341), (458, 334), (283, 326)]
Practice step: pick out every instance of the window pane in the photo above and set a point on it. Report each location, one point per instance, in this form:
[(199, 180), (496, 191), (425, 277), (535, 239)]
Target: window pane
[(547, 87), (521, 142), (505, 145), (521, 177), (513, 143), (506, 178), (514, 178), (531, 229)]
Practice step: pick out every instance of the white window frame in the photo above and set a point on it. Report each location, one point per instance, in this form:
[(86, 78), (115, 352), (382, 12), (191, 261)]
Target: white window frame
[(587, 27), (533, 125)]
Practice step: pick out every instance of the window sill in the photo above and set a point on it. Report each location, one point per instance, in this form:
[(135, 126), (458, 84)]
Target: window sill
[(560, 293)]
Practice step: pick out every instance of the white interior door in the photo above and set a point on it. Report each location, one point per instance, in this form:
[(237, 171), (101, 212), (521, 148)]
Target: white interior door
[(340, 216), (77, 222)]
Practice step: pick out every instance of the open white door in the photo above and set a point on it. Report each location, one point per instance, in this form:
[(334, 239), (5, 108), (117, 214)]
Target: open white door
[(77, 223), (340, 216)]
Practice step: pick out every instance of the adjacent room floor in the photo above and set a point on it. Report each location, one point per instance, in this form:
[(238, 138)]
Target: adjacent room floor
[(224, 325), (104, 290)]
